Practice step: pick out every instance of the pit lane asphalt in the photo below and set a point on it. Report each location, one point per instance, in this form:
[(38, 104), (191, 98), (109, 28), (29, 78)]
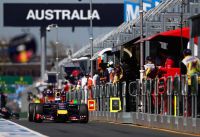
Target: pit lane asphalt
[(94, 129)]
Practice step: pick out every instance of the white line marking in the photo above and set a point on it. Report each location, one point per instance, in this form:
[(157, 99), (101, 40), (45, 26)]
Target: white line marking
[(32, 131)]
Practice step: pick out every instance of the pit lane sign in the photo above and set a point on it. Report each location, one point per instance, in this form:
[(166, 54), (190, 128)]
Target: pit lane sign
[(91, 105), (20, 14), (115, 104)]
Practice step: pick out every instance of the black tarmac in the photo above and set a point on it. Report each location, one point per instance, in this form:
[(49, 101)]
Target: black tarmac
[(95, 129)]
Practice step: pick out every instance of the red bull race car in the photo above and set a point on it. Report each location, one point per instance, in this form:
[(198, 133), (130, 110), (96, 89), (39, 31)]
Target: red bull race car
[(53, 106), (57, 110)]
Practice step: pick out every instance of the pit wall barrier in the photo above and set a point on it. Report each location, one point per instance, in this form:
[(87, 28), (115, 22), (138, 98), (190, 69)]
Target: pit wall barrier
[(168, 103)]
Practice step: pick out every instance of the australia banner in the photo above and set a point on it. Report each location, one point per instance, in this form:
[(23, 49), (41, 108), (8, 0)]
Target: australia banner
[(20, 14)]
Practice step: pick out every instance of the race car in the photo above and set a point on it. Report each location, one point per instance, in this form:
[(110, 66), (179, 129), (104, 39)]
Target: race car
[(53, 105), (58, 110)]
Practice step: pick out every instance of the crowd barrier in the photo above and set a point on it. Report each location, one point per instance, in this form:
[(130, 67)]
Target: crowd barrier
[(168, 103)]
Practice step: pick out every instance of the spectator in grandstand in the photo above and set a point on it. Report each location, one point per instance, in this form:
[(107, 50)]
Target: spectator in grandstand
[(191, 65)]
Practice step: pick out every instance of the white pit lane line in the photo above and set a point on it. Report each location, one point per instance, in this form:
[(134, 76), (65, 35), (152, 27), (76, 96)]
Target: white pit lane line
[(9, 128)]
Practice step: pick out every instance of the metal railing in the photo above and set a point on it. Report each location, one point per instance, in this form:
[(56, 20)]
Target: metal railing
[(170, 96)]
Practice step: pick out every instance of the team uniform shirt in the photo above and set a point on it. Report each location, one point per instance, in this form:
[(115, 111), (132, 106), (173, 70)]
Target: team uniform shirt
[(89, 83), (96, 80), (149, 70), (83, 82), (67, 87), (110, 69), (192, 64)]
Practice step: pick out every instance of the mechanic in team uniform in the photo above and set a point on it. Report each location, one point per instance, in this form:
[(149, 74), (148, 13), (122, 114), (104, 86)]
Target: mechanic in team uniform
[(150, 73), (191, 65), (150, 68), (163, 73), (89, 86)]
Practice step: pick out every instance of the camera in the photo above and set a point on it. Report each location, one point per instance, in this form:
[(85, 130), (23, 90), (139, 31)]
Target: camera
[(48, 28)]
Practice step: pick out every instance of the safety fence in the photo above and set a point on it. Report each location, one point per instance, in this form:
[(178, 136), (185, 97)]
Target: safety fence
[(171, 103), (165, 96)]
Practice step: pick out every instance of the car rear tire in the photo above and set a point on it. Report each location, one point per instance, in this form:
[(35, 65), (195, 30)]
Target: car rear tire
[(38, 110), (31, 112), (83, 113)]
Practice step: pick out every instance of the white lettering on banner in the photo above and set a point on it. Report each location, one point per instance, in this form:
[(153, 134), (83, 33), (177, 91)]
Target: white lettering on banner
[(95, 15), (57, 14), (39, 16), (82, 16), (130, 13), (146, 6), (156, 3), (30, 15), (75, 15), (49, 15), (132, 8), (65, 14)]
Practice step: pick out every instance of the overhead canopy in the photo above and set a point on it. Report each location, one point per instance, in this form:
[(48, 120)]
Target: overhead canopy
[(128, 52), (100, 53), (172, 36), (80, 59), (104, 51)]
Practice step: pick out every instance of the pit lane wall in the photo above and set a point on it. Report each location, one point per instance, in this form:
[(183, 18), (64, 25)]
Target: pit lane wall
[(169, 103), (178, 123)]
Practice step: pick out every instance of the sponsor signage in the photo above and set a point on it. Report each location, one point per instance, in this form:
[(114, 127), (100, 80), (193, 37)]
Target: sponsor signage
[(25, 80), (8, 89), (91, 105), (18, 14), (115, 104), (132, 8)]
